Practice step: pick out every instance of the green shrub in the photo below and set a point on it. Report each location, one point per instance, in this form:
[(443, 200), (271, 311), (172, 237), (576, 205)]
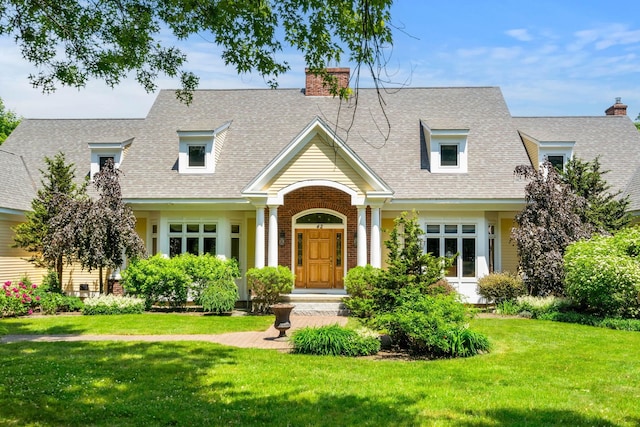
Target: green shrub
[(206, 271), (113, 304), (534, 307), (359, 283), (158, 280), (603, 274), (410, 271), (441, 287), (219, 297), (433, 326), (53, 302), (50, 283), (213, 283), (500, 287), (266, 284), (463, 342), (335, 340)]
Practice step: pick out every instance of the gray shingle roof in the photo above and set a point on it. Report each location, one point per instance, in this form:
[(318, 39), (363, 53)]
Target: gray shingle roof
[(265, 121), (614, 139), (17, 188)]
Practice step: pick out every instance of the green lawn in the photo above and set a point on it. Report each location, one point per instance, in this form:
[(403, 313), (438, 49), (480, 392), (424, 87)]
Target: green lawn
[(539, 373), (134, 324)]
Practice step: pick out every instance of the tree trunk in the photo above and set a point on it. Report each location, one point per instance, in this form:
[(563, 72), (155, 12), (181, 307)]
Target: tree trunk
[(59, 271), (101, 281)]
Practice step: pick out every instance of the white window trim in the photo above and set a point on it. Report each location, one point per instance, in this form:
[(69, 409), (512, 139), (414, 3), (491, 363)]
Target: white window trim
[(106, 149), (198, 138), (436, 138), (459, 235), (559, 148)]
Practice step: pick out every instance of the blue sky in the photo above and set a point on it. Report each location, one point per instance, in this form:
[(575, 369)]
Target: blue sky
[(561, 57)]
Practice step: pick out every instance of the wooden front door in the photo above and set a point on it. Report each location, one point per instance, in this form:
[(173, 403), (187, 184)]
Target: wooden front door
[(319, 258)]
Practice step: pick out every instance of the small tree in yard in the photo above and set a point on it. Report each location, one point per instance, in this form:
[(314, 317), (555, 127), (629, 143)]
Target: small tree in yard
[(423, 320), (605, 211), (550, 221), (35, 235), (100, 233), (410, 269)]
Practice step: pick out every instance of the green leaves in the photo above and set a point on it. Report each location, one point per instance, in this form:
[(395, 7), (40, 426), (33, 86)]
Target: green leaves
[(8, 122), (71, 42)]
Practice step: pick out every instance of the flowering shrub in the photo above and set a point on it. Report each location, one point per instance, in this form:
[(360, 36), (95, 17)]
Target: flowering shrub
[(603, 274), (113, 304), (18, 299), (535, 307)]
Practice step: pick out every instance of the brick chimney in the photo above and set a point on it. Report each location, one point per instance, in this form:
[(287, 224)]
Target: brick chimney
[(617, 109), (315, 85)]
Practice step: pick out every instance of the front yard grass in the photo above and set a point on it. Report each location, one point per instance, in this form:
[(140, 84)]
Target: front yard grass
[(134, 324), (539, 374)]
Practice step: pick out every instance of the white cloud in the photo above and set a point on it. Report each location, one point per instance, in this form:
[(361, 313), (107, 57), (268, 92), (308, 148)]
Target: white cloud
[(520, 34)]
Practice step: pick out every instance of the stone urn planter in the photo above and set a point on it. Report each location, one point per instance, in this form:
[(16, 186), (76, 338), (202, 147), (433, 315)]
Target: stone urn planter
[(283, 321)]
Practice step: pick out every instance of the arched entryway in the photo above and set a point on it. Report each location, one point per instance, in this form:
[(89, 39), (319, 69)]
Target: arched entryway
[(319, 255)]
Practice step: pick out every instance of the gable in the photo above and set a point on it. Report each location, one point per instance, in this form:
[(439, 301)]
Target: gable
[(317, 157), (318, 160)]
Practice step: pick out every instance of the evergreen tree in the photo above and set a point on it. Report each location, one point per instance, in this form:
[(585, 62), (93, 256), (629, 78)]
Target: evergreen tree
[(605, 211), (58, 186), (410, 270)]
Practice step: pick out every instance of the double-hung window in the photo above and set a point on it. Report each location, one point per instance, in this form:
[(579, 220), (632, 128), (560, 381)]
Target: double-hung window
[(453, 239)]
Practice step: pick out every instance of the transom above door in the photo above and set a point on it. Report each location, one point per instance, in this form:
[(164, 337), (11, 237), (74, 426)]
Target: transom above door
[(319, 251)]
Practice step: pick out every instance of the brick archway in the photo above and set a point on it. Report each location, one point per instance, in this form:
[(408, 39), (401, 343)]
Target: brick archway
[(318, 197)]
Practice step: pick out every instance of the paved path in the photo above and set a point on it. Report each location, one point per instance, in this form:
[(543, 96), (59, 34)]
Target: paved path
[(264, 339)]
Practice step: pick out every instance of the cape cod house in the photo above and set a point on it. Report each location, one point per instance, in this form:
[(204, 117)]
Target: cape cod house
[(296, 178)]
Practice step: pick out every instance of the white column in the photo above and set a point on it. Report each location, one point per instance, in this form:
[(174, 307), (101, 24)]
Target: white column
[(362, 236), (259, 260), (273, 237), (376, 250)]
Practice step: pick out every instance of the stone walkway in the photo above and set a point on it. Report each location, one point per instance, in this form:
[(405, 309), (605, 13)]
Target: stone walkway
[(265, 339)]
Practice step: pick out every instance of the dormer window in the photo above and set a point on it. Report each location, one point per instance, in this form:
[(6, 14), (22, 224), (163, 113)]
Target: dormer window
[(197, 156), (104, 159), (199, 149), (447, 149), (449, 155), (558, 153), (107, 150), (557, 161)]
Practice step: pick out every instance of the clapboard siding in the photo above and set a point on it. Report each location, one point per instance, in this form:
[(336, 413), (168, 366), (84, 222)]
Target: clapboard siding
[(509, 252), (318, 160)]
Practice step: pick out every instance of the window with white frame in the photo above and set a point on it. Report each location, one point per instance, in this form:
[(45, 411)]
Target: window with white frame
[(198, 149), (235, 242), (103, 151), (192, 237), (454, 239), (447, 150), (195, 154)]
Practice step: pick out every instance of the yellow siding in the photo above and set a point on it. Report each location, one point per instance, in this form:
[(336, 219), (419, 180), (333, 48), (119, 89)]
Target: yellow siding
[(509, 252), (318, 161), (387, 226), (14, 264), (251, 243), (141, 229), (532, 150)]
